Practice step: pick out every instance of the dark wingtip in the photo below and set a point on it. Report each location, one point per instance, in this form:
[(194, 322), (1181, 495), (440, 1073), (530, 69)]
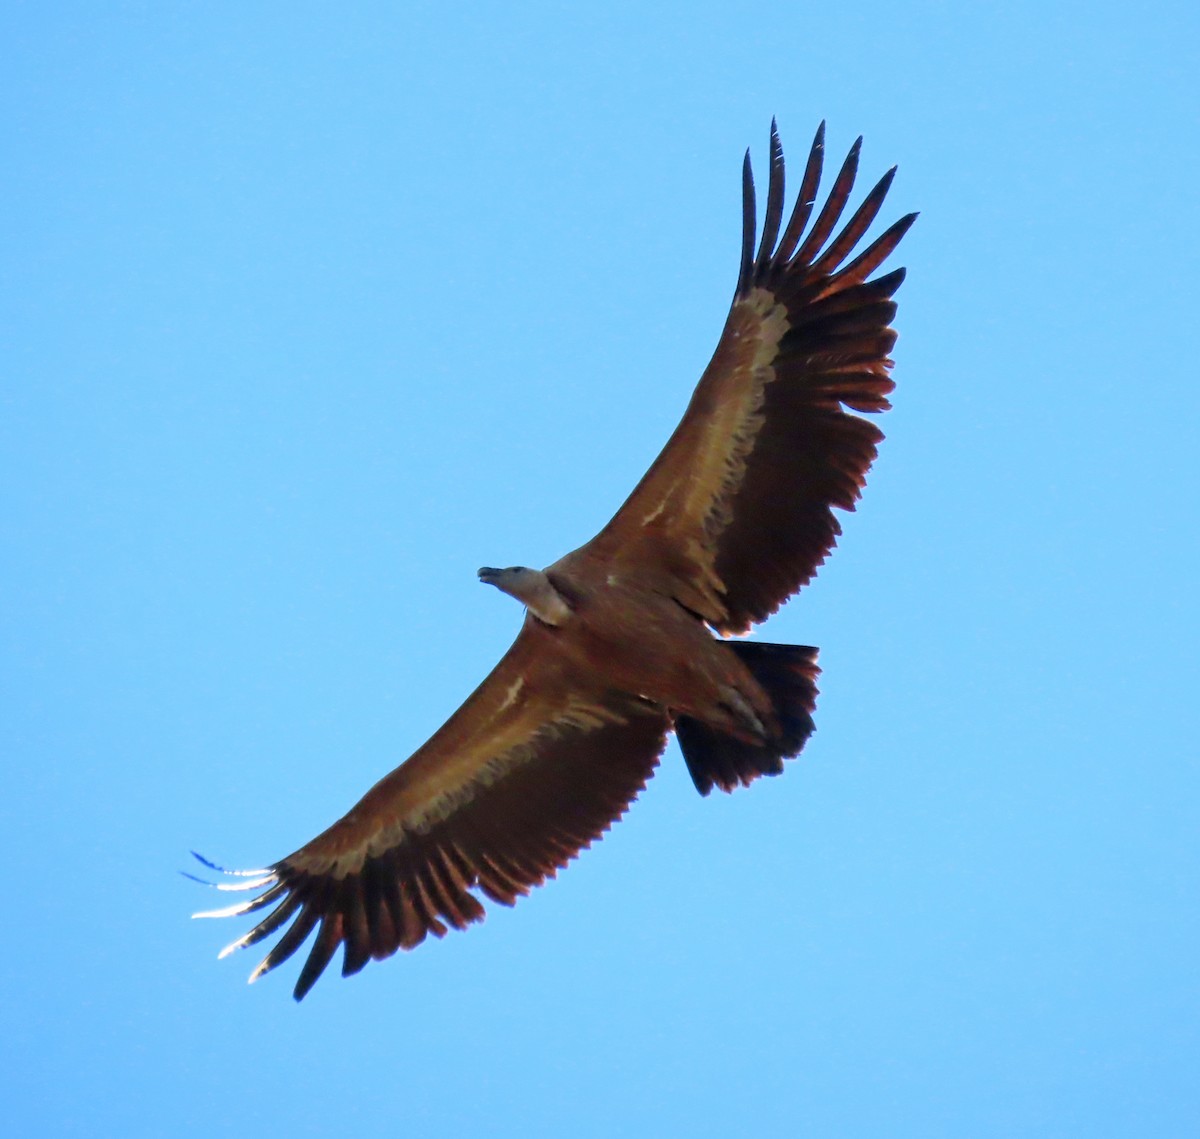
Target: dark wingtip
[(748, 223), (304, 984), (805, 199), (775, 194), (901, 227)]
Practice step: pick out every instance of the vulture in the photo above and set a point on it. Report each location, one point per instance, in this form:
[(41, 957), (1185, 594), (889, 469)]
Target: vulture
[(624, 640)]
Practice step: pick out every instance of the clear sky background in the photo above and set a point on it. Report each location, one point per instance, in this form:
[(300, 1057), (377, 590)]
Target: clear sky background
[(307, 311)]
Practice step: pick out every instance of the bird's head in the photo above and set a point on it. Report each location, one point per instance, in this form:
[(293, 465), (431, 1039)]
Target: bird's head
[(532, 588)]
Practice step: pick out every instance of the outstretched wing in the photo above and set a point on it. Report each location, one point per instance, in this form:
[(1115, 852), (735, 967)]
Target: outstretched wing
[(535, 766), (736, 513)]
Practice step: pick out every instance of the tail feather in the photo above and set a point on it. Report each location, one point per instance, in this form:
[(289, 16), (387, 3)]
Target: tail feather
[(788, 675)]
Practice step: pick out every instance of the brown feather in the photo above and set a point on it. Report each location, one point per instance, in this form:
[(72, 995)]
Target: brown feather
[(277, 917), (423, 900), (294, 937), (748, 222), (410, 930), (873, 256), (328, 938), (855, 228), (805, 200), (775, 197), (839, 195), (385, 938), (354, 926), (497, 882)]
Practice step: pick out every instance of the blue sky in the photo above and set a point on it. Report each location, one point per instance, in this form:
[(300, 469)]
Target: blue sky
[(308, 312)]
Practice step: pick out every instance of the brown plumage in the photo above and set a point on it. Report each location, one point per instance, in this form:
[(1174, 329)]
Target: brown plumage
[(617, 647)]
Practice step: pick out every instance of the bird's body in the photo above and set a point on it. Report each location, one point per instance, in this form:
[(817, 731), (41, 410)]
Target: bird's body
[(645, 644), (623, 638)]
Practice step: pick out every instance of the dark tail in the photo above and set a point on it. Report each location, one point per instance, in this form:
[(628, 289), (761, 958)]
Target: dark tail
[(788, 675)]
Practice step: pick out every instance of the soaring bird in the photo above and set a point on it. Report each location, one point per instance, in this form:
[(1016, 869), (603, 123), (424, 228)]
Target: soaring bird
[(623, 639)]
